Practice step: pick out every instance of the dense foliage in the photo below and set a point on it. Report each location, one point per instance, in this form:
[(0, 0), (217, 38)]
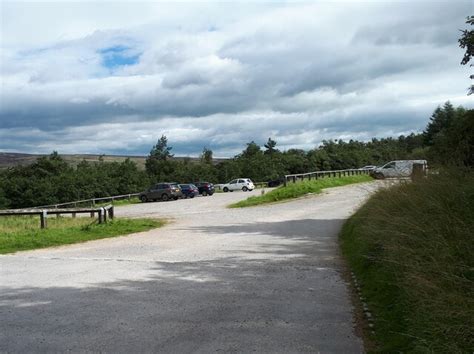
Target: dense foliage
[(467, 42), (447, 139)]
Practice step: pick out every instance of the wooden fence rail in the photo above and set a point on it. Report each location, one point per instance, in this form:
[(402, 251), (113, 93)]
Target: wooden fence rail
[(103, 213), (322, 174), (90, 202)]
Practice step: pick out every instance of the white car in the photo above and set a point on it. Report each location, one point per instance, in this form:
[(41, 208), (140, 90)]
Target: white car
[(244, 184)]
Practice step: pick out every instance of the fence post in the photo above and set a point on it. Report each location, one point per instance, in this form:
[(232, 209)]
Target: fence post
[(92, 214), (73, 215), (111, 212), (44, 219), (101, 215)]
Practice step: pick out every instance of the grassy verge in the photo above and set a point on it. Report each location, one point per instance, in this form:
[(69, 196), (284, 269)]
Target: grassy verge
[(411, 248), (23, 233), (295, 190), (133, 200)]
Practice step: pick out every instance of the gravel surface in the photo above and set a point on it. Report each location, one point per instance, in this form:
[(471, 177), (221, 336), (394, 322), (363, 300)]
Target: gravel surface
[(263, 279)]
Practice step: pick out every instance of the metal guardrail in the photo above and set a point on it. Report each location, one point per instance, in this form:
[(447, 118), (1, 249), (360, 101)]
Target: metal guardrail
[(103, 213), (322, 174)]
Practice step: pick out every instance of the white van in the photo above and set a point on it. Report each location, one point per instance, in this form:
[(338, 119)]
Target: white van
[(398, 168)]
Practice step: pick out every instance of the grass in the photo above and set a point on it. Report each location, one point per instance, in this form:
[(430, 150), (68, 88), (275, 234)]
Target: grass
[(21, 233), (133, 200), (295, 190), (411, 248)]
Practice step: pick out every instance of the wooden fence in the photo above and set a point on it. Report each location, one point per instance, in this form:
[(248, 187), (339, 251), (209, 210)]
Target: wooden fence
[(91, 202), (324, 174), (103, 213)]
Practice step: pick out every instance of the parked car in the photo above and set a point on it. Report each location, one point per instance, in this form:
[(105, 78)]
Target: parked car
[(398, 168), (189, 190), (274, 183), (163, 191), (244, 184), (205, 188)]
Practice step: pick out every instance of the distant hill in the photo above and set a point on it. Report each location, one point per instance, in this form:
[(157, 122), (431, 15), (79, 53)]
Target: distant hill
[(10, 159)]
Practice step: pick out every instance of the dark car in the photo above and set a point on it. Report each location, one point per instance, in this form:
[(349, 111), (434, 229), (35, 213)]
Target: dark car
[(163, 191), (189, 190), (274, 183), (205, 188)]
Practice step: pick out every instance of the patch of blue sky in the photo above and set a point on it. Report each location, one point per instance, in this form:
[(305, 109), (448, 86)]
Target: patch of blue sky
[(119, 55)]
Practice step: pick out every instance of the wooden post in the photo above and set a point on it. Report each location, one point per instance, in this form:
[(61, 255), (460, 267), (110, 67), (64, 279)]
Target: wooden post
[(73, 215), (417, 172), (92, 214), (101, 215), (104, 215), (44, 219), (111, 213), (294, 179)]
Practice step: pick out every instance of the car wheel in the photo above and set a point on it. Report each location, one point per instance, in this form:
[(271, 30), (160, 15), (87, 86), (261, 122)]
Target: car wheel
[(379, 175), (191, 196), (226, 189), (245, 189), (204, 193), (165, 197), (175, 198), (143, 199)]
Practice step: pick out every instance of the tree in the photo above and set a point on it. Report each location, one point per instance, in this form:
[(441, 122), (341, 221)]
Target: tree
[(270, 146), (440, 120), (467, 41), (161, 151), (251, 150), (157, 163), (206, 156)]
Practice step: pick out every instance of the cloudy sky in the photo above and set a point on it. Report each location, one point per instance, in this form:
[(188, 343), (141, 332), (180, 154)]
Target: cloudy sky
[(112, 77)]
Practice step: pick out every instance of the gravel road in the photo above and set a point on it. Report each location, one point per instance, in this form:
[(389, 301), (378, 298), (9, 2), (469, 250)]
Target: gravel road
[(264, 279)]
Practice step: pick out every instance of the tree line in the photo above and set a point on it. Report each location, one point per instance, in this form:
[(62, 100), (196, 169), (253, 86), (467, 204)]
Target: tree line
[(447, 140)]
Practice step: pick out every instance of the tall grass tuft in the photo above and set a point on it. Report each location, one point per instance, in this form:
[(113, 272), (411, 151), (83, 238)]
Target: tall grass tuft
[(411, 246)]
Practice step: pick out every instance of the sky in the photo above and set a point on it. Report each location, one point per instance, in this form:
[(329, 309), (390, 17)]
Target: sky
[(108, 77)]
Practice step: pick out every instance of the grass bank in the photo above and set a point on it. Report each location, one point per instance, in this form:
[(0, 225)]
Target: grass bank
[(295, 190), (23, 233), (411, 248), (133, 200)]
